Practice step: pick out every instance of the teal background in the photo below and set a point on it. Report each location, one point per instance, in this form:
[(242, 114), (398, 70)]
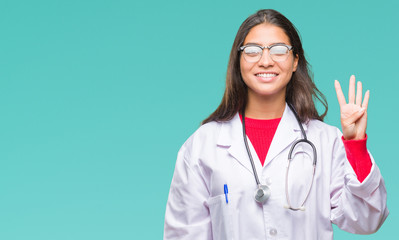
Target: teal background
[(96, 98)]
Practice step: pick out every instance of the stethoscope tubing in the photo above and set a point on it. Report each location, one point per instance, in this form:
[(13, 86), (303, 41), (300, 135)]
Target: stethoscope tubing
[(249, 152), (262, 199)]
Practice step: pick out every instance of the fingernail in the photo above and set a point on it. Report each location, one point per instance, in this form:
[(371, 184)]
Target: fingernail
[(362, 109)]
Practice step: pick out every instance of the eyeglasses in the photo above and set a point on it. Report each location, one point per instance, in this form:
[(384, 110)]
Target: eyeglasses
[(278, 52)]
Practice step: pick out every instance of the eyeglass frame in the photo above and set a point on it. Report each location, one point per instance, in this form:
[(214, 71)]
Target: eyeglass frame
[(241, 49)]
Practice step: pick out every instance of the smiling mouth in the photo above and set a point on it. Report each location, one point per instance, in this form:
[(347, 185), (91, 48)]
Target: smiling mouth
[(266, 75)]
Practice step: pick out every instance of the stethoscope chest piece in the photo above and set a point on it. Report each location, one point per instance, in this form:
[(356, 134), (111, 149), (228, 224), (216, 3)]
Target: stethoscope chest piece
[(262, 193)]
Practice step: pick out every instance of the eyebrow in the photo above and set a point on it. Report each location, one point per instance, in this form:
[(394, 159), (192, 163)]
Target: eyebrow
[(258, 44)]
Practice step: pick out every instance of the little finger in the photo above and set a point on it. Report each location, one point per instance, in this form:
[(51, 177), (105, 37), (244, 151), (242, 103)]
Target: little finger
[(366, 99)]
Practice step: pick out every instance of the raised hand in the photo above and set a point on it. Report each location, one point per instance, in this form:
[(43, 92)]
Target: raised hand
[(353, 113)]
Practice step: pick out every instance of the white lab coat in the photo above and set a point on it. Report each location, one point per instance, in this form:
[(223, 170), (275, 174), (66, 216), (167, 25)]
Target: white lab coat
[(215, 155)]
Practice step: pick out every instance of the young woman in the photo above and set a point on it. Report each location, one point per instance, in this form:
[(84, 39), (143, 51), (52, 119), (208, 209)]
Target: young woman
[(264, 165)]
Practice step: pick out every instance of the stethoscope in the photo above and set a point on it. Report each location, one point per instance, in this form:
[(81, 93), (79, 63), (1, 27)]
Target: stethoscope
[(262, 193)]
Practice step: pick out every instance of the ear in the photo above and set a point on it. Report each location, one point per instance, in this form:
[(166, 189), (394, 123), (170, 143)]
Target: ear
[(296, 59)]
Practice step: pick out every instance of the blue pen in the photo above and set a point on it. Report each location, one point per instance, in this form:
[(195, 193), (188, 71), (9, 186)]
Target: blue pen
[(226, 191)]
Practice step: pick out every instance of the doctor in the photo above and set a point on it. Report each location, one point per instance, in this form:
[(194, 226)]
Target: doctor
[(232, 179)]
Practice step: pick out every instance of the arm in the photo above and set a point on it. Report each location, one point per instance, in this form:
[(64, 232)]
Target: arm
[(359, 157), (355, 207), (187, 217)]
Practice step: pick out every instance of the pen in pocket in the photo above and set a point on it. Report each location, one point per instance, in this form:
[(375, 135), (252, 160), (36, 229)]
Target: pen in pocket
[(226, 191)]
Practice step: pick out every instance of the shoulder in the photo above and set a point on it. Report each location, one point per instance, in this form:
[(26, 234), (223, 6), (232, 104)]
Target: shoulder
[(208, 131), (327, 138), (205, 137), (323, 128)]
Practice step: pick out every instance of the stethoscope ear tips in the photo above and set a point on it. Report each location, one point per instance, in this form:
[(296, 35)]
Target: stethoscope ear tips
[(286, 207)]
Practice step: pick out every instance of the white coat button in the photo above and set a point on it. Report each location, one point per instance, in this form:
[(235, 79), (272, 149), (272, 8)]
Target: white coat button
[(268, 181), (273, 232)]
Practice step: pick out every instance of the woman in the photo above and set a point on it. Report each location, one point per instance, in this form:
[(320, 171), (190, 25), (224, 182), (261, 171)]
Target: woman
[(232, 178)]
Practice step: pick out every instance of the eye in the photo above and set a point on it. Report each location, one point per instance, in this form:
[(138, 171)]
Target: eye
[(278, 50), (252, 50)]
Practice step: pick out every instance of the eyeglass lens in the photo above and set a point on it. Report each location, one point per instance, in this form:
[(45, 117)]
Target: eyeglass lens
[(278, 53)]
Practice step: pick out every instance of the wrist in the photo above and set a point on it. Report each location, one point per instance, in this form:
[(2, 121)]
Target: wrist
[(355, 137)]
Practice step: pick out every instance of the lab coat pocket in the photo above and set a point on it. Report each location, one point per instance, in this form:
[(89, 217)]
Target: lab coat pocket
[(221, 218)]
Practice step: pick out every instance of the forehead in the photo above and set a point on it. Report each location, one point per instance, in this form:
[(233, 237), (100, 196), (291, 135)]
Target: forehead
[(266, 34)]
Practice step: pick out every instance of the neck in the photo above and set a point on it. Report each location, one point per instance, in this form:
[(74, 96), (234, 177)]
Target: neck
[(265, 108)]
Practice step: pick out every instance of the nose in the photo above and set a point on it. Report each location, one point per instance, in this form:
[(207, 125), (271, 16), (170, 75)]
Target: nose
[(265, 60)]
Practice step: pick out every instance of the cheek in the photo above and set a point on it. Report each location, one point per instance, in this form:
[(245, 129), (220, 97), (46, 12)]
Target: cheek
[(245, 68), (242, 67), (289, 68)]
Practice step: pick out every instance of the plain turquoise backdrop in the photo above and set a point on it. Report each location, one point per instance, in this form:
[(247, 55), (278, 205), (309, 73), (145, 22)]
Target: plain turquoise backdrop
[(96, 98)]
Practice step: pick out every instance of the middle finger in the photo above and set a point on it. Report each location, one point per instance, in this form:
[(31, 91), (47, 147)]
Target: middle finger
[(351, 96)]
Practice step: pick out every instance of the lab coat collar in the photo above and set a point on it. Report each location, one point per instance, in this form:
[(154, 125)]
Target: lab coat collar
[(287, 132)]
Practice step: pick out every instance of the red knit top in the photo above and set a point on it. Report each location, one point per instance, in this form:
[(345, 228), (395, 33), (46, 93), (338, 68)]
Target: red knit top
[(261, 132)]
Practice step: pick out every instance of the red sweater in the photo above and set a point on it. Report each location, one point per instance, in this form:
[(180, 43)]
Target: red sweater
[(261, 133)]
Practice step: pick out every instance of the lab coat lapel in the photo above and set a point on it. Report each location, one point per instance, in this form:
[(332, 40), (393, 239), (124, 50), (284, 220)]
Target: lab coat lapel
[(287, 132), (231, 138)]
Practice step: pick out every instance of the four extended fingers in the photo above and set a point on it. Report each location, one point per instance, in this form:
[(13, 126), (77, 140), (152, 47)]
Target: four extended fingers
[(354, 96)]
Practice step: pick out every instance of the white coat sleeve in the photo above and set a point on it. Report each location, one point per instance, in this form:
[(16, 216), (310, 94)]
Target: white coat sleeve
[(187, 216), (356, 207)]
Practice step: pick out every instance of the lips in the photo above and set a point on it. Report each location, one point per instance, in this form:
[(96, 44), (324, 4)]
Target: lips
[(266, 76)]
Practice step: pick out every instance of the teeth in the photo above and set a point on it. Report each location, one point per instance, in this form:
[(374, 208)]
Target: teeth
[(266, 75)]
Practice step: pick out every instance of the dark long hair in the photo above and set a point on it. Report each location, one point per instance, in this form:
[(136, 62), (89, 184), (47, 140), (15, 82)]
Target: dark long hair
[(301, 90)]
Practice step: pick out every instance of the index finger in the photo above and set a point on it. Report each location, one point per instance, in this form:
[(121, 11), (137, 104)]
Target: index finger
[(340, 94)]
